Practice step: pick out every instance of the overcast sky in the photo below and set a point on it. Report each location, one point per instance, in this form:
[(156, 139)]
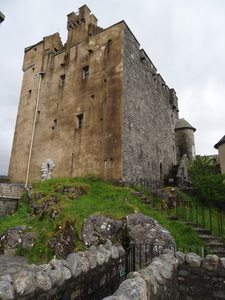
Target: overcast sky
[(185, 39)]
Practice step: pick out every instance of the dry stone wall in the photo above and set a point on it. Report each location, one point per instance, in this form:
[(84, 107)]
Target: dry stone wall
[(173, 276), (95, 275), (201, 279), (92, 274), (157, 281)]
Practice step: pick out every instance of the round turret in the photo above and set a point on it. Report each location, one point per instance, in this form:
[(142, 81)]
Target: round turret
[(184, 139)]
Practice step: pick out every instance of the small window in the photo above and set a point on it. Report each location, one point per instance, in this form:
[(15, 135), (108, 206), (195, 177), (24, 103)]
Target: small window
[(29, 93), (38, 116), (63, 78), (86, 72), (80, 120)]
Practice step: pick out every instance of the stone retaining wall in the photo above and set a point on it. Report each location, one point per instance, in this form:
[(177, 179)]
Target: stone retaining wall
[(8, 207), (92, 274), (9, 196), (173, 276), (95, 274), (201, 279), (156, 282)]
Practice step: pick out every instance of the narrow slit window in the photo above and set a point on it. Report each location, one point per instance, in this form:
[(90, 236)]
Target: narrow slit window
[(86, 72), (29, 93), (63, 78), (80, 119)]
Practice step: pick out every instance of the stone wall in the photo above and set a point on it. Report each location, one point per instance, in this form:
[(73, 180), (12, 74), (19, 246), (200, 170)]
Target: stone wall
[(156, 282), (9, 196), (149, 115), (7, 207), (201, 279), (174, 276), (89, 275)]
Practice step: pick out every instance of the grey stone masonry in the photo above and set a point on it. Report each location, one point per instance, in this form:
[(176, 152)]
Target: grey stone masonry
[(156, 282), (89, 275), (9, 196), (201, 279), (150, 112)]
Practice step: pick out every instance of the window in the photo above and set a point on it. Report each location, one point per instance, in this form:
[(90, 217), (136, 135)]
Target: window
[(63, 78), (29, 93), (80, 120), (86, 72)]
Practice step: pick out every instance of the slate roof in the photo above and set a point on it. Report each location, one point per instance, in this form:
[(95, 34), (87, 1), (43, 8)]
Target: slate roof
[(220, 142), (11, 191), (183, 124)]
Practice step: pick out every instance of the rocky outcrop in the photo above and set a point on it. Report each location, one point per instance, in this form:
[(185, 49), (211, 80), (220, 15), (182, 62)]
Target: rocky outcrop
[(171, 198), (62, 244), (97, 229), (136, 229), (14, 238), (142, 229)]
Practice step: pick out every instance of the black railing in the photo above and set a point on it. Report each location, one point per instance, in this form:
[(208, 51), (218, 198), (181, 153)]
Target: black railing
[(139, 256), (203, 216)]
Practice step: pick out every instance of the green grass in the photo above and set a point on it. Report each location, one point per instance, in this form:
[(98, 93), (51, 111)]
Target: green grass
[(100, 197)]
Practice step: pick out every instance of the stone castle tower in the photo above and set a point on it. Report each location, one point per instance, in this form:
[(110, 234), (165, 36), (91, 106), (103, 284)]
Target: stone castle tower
[(95, 105)]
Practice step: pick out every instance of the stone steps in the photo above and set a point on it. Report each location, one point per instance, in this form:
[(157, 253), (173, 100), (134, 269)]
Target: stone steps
[(211, 239), (201, 231), (214, 243)]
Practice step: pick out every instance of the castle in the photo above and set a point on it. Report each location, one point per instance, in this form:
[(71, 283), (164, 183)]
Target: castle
[(96, 105)]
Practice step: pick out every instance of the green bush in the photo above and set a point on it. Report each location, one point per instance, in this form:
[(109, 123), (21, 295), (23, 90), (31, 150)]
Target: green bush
[(210, 186)]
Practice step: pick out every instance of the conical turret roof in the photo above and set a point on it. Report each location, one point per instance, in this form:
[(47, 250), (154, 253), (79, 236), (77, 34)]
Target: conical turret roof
[(220, 142), (183, 124)]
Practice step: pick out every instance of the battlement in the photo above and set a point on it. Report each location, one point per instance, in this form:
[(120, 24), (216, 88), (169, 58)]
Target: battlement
[(81, 25)]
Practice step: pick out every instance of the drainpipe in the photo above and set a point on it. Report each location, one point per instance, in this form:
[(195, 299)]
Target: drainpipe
[(39, 74)]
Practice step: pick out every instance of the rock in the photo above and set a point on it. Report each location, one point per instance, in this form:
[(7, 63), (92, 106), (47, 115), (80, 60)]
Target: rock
[(7, 278), (154, 271), (163, 267), (28, 240), (171, 198), (142, 229), (97, 229), (6, 291), (55, 276), (43, 282), (63, 267), (63, 243), (180, 257), (132, 289), (75, 191), (193, 259), (222, 260), (210, 262), (25, 283), (12, 239)]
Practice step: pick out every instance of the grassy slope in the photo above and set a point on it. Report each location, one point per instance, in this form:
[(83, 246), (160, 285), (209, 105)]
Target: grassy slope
[(100, 197)]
